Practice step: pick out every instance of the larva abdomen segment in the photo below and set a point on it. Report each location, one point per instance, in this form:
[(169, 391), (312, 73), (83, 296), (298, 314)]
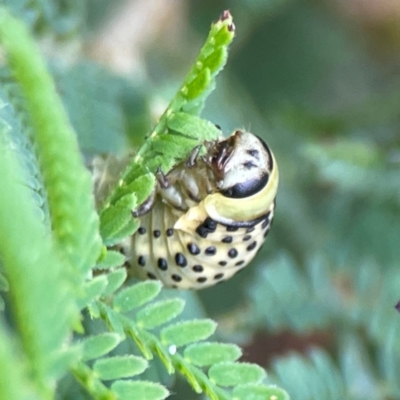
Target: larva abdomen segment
[(210, 254)]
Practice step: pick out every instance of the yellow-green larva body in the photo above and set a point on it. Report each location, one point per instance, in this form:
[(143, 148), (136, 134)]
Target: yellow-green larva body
[(209, 217)]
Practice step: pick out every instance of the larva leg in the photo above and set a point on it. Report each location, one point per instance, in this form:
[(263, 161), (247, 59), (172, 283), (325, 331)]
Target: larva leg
[(146, 206), (191, 161)]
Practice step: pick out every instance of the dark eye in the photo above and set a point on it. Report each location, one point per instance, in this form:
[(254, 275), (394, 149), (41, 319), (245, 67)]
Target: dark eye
[(253, 153), (249, 164), (246, 189)]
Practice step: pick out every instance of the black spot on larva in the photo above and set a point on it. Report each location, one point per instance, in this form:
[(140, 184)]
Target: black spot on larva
[(202, 231), (151, 276), (231, 228), (156, 233), (176, 278), (266, 233), (266, 221), (170, 232), (121, 250), (249, 165), (218, 276), (252, 246), (239, 263), (198, 268), (227, 239), (246, 238), (180, 260), (253, 153), (222, 263), (210, 251), (141, 261), (232, 253), (248, 230), (142, 230), (210, 224), (201, 280), (193, 249), (162, 264)]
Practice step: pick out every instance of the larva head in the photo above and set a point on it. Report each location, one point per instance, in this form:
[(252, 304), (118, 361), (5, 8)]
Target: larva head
[(242, 164), (246, 178)]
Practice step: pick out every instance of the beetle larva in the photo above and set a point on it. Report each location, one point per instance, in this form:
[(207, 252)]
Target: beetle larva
[(209, 216)]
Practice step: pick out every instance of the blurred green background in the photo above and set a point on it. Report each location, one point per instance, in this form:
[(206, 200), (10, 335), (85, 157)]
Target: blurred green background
[(319, 80)]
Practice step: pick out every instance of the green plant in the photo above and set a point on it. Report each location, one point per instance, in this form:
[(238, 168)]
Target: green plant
[(52, 239)]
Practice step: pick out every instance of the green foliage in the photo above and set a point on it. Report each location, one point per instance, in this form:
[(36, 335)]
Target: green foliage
[(67, 183), (257, 392), (60, 276), (97, 346), (208, 353), (163, 140), (139, 390), (112, 368), (136, 296), (13, 378), (324, 285), (34, 274), (159, 313), (230, 373)]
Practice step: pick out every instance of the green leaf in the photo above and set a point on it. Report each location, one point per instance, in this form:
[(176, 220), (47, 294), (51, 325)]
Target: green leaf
[(41, 297), (119, 367), (68, 184), (193, 126), (99, 345), (113, 319), (233, 373), (209, 353), (173, 146), (198, 85), (136, 295), (15, 134), (115, 280), (93, 290), (4, 285), (129, 229), (187, 332), (13, 384), (159, 313), (111, 259), (199, 82), (141, 187), (88, 379), (139, 390), (64, 359), (258, 392), (116, 216)]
